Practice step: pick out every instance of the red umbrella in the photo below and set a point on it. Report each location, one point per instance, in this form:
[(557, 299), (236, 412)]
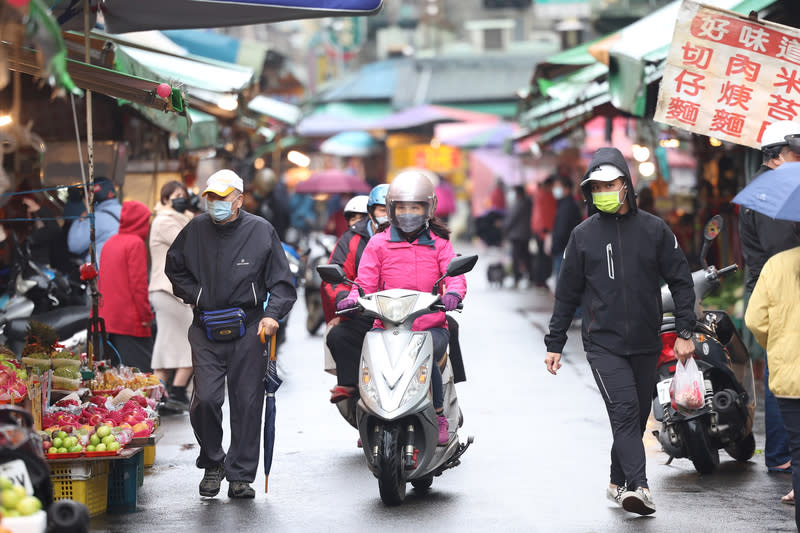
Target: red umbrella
[(332, 181)]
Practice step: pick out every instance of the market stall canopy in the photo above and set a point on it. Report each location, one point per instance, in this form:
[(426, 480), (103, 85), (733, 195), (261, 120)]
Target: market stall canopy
[(215, 45), (275, 109), (637, 58), (475, 135), (350, 144), (429, 114), (123, 16), (333, 118)]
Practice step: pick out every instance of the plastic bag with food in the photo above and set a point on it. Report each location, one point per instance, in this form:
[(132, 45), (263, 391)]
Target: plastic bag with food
[(687, 390)]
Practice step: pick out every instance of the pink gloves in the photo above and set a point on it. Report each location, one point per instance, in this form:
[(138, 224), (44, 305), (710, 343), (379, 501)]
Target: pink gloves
[(347, 303)]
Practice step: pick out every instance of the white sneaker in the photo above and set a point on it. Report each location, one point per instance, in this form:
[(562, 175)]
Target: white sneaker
[(639, 502), (615, 494)]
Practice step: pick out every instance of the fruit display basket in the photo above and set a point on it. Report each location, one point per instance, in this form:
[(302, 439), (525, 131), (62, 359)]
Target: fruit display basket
[(83, 481)]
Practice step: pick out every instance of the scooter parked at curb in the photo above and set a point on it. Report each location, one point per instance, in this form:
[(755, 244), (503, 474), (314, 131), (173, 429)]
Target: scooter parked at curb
[(395, 415), (726, 418)]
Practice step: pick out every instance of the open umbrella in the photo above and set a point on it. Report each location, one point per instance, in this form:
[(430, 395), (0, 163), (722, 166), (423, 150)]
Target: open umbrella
[(775, 193), (332, 181), (272, 382)]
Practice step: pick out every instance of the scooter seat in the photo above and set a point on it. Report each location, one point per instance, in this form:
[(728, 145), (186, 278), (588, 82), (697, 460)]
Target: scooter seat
[(67, 321)]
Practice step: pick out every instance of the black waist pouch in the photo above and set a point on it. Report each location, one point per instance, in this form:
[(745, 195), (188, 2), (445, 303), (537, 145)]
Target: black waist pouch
[(224, 324)]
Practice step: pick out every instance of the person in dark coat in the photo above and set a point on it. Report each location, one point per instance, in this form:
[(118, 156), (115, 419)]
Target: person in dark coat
[(762, 237), (231, 262), (517, 229), (613, 266), (568, 215)]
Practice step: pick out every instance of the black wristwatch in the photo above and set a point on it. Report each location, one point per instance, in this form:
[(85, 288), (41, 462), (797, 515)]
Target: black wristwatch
[(685, 334)]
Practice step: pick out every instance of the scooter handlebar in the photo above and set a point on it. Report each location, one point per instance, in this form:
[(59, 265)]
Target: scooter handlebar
[(731, 268), (440, 307)]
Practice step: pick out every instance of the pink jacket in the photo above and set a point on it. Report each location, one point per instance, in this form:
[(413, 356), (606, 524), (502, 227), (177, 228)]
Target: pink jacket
[(389, 262)]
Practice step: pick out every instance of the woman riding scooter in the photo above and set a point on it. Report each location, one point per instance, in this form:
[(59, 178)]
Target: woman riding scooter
[(413, 253)]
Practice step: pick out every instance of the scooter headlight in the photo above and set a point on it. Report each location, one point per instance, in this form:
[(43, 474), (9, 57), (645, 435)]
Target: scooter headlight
[(396, 309), (368, 389), (420, 380)]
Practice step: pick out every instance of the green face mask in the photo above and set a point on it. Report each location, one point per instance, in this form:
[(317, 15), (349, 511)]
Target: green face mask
[(607, 202)]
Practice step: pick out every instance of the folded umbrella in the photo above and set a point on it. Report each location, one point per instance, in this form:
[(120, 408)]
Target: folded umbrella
[(272, 382), (775, 193)]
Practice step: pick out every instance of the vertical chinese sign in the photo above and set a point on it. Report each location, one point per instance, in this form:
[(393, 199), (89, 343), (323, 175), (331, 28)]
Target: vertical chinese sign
[(728, 76)]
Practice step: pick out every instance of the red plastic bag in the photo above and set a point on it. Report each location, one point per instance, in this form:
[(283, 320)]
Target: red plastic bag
[(687, 390)]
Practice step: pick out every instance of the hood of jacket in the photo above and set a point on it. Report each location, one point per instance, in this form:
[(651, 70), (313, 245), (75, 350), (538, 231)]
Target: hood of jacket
[(135, 219), (610, 156)]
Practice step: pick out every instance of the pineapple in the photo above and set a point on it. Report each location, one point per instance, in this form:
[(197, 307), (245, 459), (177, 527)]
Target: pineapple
[(42, 334)]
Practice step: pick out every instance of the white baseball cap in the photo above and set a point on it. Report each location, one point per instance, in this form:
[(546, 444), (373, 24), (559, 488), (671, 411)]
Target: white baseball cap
[(606, 172), (775, 134), (223, 182)]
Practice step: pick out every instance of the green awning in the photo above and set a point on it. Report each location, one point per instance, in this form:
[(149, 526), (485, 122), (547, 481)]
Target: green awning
[(501, 109), (276, 109), (355, 110), (203, 132), (638, 57)]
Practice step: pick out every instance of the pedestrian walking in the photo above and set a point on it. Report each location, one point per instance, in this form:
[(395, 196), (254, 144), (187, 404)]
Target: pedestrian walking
[(230, 265), (106, 222), (172, 355), (612, 268), (772, 316), (761, 238), (568, 215), (542, 219), (122, 281), (517, 229)]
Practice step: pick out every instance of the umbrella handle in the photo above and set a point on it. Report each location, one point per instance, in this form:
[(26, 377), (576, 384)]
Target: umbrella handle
[(266, 484), (272, 343)]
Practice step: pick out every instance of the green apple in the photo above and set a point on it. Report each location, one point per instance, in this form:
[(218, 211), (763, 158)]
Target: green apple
[(100, 447), (94, 439), (114, 446), (90, 448), (76, 449), (5, 483), (62, 450), (108, 439), (58, 442), (9, 498), (53, 450), (103, 430), (62, 435), (29, 505)]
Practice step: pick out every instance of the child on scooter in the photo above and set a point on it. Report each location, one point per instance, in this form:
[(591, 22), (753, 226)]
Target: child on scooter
[(412, 253)]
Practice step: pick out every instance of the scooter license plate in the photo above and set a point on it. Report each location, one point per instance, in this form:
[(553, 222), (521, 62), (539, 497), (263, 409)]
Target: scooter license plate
[(663, 391)]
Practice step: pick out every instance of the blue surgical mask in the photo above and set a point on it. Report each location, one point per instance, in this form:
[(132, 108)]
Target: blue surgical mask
[(220, 210), (381, 220), (558, 193)]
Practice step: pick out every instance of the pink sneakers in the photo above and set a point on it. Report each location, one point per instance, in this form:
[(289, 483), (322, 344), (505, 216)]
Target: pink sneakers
[(444, 425)]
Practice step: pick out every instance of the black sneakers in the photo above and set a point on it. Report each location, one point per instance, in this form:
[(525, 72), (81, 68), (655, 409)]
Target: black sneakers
[(209, 486), (240, 489)]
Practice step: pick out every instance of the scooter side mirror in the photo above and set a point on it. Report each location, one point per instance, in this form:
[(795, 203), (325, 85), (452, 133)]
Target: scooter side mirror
[(332, 273), (713, 228), (461, 265)]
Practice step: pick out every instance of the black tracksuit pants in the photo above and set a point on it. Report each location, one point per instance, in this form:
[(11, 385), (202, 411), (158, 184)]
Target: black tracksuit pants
[(626, 384), (243, 363)]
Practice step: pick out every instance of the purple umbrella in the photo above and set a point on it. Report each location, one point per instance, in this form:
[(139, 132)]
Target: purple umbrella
[(332, 181)]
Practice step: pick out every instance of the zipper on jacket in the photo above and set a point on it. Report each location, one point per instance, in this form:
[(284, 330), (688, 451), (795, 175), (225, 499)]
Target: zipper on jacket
[(197, 302), (602, 384), (624, 291), (610, 260), (255, 298)]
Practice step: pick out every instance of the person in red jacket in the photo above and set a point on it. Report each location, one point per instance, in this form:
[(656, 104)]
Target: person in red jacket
[(122, 281)]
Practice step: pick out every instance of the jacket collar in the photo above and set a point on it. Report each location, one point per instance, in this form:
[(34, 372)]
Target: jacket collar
[(424, 237)]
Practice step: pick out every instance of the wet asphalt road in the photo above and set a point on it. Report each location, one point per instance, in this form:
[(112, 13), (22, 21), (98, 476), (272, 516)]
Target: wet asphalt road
[(539, 462)]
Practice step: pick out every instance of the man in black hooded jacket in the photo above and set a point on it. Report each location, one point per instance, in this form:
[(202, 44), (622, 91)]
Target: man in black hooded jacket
[(613, 266)]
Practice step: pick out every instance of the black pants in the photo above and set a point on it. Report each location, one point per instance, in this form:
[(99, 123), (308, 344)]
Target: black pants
[(243, 363), (626, 384), (345, 340), (790, 411), (542, 264), (134, 351), (521, 260)]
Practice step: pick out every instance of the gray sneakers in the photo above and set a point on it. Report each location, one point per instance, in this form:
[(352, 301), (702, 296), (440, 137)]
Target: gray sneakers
[(209, 486), (639, 501), (240, 489), (615, 495)]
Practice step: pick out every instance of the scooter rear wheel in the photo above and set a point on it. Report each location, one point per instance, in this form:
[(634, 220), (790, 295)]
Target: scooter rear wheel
[(704, 456), (742, 450), (391, 479)]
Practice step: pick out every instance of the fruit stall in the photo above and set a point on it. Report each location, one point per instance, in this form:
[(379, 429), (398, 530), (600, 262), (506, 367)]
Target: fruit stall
[(94, 425)]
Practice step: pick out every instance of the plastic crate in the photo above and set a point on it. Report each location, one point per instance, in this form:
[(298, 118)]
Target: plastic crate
[(122, 484), (83, 481), (149, 455)]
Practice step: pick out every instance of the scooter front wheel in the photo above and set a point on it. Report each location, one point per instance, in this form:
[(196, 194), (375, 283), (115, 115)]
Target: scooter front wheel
[(742, 450), (391, 476)]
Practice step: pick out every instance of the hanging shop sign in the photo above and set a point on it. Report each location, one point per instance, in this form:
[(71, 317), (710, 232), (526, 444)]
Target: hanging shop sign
[(729, 76)]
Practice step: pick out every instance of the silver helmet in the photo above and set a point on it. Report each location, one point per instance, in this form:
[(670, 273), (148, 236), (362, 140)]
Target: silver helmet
[(411, 185)]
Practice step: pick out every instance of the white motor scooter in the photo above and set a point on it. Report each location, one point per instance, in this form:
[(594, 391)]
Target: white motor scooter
[(395, 415)]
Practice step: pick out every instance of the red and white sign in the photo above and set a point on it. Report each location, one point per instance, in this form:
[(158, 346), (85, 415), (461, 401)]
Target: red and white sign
[(728, 76)]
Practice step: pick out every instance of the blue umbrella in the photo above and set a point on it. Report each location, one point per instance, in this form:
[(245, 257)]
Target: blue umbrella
[(775, 193), (272, 382)]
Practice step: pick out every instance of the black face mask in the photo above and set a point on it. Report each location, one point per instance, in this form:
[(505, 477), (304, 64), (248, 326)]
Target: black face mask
[(180, 204)]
